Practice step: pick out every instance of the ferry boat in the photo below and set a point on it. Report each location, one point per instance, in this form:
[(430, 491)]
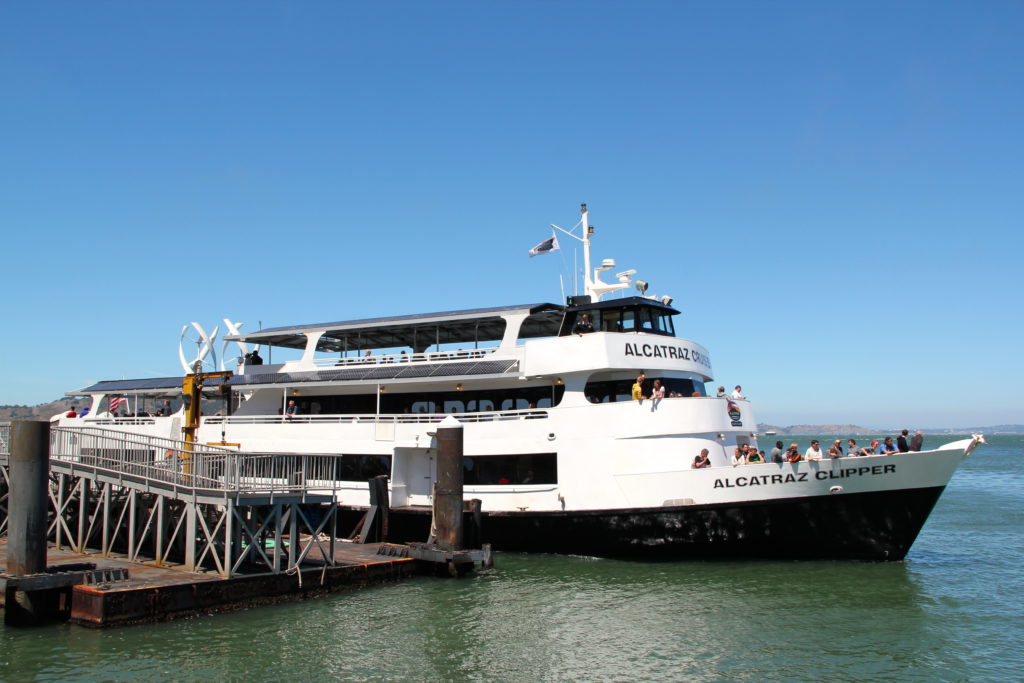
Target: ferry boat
[(561, 454)]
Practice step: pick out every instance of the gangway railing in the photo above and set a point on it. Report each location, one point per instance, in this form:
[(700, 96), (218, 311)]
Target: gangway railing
[(141, 460)]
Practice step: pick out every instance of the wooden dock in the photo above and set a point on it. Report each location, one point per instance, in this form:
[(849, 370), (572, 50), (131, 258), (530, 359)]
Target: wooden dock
[(162, 593), (107, 528)]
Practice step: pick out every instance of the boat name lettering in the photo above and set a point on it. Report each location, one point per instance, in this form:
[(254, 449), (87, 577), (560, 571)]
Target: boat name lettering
[(667, 351), (793, 477)]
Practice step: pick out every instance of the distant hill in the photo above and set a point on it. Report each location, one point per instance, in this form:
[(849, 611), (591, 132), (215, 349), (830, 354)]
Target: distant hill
[(816, 429), (856, 429), (43, 411)]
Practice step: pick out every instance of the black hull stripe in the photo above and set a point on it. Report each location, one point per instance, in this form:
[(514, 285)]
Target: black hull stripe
[(868, 526)]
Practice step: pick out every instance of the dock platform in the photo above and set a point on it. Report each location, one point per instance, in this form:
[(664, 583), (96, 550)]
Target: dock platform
[(162, 593)]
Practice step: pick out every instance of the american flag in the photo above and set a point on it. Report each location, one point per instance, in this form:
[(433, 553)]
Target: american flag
[(116, 402)]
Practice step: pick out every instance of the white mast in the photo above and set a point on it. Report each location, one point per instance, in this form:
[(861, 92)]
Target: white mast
[(587, 282), (593, 285)]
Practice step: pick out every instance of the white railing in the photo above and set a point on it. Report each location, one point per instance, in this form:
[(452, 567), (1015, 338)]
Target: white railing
[(414, 418), (428, 357), (155, 461)]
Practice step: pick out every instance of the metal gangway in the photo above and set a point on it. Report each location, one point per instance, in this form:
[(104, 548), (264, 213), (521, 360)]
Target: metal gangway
[(202, 507)]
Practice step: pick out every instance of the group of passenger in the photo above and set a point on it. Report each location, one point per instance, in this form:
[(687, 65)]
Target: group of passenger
[(745, 454), (638, 392), (165, 410)]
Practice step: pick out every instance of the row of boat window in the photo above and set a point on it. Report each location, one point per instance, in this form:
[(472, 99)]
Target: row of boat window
[(625, 319), (478, 470), (611, 391), (483, 400)]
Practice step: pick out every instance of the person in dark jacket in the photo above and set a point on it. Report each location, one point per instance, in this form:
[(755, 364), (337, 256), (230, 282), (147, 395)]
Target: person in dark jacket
[(901, 442), (917, 441), (777, 452)]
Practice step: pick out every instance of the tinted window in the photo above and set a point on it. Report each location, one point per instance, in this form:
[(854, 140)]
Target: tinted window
[(532, 468)]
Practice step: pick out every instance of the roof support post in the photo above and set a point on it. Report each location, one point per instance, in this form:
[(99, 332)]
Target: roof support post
[(513, 323), (312, 338)]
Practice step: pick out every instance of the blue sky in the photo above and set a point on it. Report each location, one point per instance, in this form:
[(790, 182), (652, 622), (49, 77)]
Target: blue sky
[(831, 192)]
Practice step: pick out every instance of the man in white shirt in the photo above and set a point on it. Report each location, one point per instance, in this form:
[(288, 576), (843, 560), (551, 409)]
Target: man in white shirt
[(736, 395), (814, 452)]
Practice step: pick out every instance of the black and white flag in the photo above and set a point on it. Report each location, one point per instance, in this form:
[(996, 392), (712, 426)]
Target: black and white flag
[(545, 247)]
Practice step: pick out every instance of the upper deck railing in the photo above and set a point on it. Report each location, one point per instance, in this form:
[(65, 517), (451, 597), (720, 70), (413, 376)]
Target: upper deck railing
[(411, 418)]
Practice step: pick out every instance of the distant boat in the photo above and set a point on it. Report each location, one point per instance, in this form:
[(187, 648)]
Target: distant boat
[(771, 432)]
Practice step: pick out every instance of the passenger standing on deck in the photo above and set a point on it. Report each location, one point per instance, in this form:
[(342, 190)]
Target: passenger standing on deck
[(721, 393), (917, 441), (887, 446), (777, 452), (255, 358), (737, 394), (638, 387), (793, 454), (293, 410), (901, 442), (754, 457), (738, 458), (852, 449), (838, 445), (814, 452)]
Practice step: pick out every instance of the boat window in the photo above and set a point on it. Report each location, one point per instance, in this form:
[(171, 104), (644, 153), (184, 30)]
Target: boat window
[(627, 320), (664, 323), (481, 400), (530, 468), (361, 467), (644, 320), (611, 391)]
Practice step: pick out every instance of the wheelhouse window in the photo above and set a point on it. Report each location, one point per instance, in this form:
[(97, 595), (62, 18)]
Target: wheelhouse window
[(625, 315)]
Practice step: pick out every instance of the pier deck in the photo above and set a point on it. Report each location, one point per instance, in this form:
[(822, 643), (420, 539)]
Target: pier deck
[(159, 593)]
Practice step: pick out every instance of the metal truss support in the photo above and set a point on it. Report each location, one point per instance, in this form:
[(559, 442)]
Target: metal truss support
[(228, 539), (5, 490)]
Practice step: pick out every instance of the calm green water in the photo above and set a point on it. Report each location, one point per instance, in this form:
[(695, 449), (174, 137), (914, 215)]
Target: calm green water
[(952, 611)]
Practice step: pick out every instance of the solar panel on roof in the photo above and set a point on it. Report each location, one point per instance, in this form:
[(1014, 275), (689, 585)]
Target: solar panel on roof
[(378, 372), (382, 372), (416, 371)]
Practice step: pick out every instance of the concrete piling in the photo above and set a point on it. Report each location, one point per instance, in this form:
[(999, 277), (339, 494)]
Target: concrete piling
[(26, 526), (26, 523)]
